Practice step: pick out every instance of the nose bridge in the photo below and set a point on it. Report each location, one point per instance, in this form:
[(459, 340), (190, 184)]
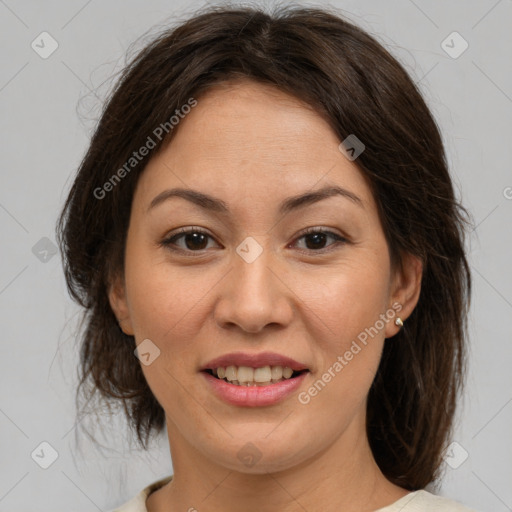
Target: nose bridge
[(254, 296), (253, 262)]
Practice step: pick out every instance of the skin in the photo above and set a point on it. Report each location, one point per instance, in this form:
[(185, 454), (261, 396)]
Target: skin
[(253, 146)]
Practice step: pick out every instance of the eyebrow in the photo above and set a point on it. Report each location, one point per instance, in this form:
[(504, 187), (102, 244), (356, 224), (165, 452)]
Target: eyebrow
[(214, 204)]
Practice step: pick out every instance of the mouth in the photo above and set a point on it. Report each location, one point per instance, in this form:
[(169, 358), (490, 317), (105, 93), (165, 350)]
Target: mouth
[(254, 377)]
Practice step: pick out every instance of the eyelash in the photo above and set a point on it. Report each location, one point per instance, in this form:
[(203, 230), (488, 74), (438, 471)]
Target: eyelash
[(168, 242)]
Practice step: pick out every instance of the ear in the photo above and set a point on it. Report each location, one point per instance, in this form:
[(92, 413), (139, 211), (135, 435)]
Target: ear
[(405, 291), (119, 305)]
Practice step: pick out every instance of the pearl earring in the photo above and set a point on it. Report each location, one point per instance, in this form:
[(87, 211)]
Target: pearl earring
[(399, 322)]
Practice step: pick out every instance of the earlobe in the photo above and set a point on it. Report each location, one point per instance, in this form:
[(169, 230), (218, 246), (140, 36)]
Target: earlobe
[(119, 305), (405, 291)]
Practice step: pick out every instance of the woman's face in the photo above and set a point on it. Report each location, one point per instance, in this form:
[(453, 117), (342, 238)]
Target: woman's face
[(256, 283)]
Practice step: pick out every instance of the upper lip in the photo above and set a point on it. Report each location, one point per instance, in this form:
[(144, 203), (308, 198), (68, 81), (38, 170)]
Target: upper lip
[(254, 360)]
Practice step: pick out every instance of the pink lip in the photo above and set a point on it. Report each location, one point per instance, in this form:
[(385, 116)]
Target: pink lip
[(253, 396), (253, 361)]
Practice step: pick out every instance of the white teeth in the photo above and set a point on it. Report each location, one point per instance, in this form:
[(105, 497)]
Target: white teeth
[(247, 376), (277, 372), (262, 374), (287, 372), (231, 373)]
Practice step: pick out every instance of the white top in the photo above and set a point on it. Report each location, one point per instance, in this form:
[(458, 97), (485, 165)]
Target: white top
[(416, 501)]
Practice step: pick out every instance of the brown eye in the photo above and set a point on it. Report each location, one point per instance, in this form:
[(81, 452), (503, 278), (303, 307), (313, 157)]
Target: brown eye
[(316, 238), (194, 240)]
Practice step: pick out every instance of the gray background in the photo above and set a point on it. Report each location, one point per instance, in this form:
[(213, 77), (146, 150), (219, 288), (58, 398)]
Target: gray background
[(48, 110)]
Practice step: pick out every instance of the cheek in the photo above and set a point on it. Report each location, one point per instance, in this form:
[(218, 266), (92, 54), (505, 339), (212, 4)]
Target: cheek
[(344, 300), (345, 306), (166, 307), (163, 298)]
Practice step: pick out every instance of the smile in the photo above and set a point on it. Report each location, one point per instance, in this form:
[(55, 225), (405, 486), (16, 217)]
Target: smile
[(253, 387), (247, 376)]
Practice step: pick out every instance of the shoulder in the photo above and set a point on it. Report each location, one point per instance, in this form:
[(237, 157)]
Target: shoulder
[(424, 501), (138, 502)]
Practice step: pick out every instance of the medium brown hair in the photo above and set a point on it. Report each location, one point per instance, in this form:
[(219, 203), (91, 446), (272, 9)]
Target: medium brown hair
[(347, 76)]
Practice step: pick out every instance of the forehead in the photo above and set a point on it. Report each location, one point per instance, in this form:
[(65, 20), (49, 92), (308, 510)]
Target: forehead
[(257, 119), (248, 139)]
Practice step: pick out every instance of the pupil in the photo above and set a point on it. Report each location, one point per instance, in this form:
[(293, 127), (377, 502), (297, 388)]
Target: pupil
[(318, 237), (196, 237)]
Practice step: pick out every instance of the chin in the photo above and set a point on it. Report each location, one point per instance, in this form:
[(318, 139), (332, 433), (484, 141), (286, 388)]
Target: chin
[(261, 455)]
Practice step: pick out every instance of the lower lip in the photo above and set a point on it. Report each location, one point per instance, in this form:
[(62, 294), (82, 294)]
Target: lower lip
[(254, 396)]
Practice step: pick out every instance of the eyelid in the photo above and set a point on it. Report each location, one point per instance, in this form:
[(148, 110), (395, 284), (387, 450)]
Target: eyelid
[(166, 242), (339, 239)]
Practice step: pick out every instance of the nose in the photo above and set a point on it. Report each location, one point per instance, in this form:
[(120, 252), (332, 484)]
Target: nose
[(255, 295)]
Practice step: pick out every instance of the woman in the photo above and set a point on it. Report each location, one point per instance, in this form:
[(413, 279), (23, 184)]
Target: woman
[(266, 240)]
